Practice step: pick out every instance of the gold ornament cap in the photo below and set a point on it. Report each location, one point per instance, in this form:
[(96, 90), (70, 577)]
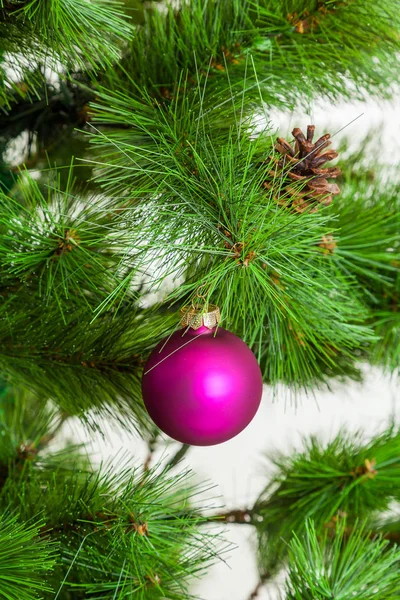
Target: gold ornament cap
[(198, 316)]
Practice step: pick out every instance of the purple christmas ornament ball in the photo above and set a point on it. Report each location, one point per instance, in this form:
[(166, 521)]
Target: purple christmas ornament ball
[(202, 386)]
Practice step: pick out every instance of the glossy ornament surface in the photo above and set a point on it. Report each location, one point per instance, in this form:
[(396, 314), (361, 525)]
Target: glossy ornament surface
[(202, 386)]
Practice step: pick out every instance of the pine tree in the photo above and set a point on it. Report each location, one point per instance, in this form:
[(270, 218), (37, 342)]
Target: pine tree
[(148, 184)]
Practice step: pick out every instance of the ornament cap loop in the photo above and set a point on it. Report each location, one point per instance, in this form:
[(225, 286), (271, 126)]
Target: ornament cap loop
[(196, 316)]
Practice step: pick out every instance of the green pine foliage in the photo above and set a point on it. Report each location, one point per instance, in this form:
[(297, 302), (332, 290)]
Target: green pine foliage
[(183, 143), (75, 33), (351, 565), (347, 477), (61, 256), (332, 40), (27, 557), (170, 194), (367, 250), (101, 533), (305, 310), (65, 246)]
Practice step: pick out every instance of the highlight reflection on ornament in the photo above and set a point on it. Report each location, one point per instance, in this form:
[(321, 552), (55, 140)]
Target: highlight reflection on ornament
[(203, 385)]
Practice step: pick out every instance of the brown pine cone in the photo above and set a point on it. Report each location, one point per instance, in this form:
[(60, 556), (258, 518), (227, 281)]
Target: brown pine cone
[(303, 163)]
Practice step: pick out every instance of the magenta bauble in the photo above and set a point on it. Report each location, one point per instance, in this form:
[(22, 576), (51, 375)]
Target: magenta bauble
[(202, 386)]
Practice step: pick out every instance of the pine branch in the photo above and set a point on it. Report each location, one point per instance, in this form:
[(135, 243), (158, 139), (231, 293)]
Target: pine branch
[(366, 246), (342, 567), (82, 366), (184, 169), (26, 559), (106, 525), (369, 250), (387, 351), (49, 112), (351, 249), (346, 477), (298, 48), (80, 34), (67, 244), (187, 59), (214, 223), (95, 523), (28, 424), (61, 257)]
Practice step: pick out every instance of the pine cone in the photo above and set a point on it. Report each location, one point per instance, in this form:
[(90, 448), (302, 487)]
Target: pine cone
[(303, 163)]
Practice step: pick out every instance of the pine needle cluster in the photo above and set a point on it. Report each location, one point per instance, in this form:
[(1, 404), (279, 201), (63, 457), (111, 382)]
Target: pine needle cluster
[(73, 34), (347, 478), (349, 566), (69, 530)]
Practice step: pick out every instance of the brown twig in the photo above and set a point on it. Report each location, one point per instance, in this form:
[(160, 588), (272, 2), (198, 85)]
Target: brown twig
[(263, 579), (237, 516), (151, 444), (174, 460), (256, 590)]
